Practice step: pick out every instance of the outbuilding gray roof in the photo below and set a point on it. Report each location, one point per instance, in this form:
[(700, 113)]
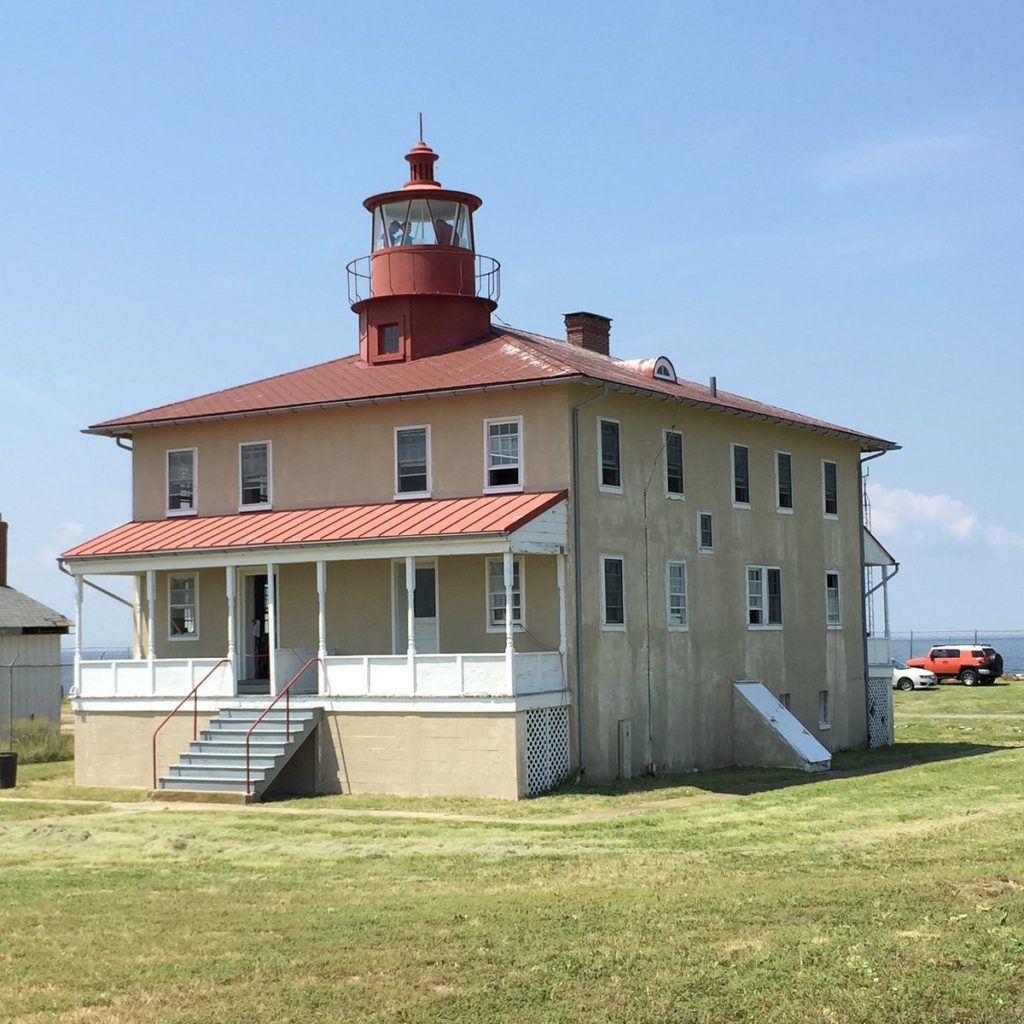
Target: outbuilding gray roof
[(19, 613)]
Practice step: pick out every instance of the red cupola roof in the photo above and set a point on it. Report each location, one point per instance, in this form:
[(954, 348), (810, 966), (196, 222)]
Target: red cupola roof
[(423, 289)]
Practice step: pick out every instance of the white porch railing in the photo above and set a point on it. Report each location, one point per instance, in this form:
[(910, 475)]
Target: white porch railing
[(172, 677), (442, 675), (372, 675)]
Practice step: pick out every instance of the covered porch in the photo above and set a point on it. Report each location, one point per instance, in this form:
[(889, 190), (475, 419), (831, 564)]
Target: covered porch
[(438, 600)]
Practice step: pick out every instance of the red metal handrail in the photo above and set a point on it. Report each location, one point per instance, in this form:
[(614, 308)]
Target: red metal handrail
[(194, 693), (287, 693)]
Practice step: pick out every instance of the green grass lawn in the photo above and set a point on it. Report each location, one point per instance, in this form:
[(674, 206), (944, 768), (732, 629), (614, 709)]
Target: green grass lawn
[(891, 890)]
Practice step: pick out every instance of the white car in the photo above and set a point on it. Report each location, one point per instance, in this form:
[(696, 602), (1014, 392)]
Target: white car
[(906, 678)]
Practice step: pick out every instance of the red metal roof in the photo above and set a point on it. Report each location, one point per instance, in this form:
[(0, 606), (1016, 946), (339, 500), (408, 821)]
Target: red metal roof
[(490, 514), (504, 357)]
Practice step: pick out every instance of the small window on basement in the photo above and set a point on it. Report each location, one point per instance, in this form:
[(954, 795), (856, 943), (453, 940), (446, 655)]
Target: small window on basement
[(824, 712), (784, 700), (388, 339)]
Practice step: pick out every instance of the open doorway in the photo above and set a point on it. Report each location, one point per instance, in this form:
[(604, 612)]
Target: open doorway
[(424, 608), (254, 641)]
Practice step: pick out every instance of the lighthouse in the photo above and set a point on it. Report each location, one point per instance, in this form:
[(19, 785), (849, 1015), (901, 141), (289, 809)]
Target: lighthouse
[(423, 289)]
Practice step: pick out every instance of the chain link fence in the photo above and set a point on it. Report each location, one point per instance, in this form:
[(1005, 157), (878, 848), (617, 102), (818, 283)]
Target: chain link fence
[(1008, 642)]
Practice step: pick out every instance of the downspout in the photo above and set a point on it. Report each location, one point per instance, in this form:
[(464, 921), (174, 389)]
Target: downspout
[(577, 582), (864, 596)]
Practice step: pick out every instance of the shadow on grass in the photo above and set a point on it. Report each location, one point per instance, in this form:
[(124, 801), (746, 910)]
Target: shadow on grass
[(747, 781)]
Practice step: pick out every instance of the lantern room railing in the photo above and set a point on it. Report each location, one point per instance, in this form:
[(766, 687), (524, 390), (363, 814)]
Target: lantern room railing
[(486, 271)]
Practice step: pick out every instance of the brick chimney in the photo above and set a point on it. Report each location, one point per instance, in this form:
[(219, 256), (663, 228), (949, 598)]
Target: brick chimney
[(3, 552), (588, 330)]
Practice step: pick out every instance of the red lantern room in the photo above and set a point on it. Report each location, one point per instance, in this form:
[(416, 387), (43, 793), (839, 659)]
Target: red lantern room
[(423, 289)]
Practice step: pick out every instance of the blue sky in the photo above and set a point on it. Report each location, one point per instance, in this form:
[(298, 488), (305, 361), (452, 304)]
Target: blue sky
[(818, 203)]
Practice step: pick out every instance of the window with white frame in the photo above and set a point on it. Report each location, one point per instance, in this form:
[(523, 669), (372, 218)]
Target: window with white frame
[(503, 453), (675, 595), (412, 462), (673, 464), (613, 596), (181, 482), (829, 488), (783, 481), (254, 474), (833, 613), (764, 596), (610, 467), (496, 594), (824, 711), (740, 475), (705, 532), (183, 607)]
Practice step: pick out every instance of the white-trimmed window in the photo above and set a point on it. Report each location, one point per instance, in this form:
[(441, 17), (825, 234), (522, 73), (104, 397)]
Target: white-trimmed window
[(674, 477), (824, 711), (254, 475), (496, 594), (764, 597), (830, 489), (613, 593), (833, 611), (783, 482), (609, 456), (503, 454), (675, 595), (183, 607), (741, 475), (412, 462), (181, 481), (389, 340), (705, 532)]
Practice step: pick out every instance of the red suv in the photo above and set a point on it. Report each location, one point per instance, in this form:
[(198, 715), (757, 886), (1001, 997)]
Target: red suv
[(970, 663)]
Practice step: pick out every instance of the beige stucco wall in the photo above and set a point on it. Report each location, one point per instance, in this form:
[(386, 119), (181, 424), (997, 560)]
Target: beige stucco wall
[(422, 755), (691, 672), (116, 748), (346, 456), (359, 604)]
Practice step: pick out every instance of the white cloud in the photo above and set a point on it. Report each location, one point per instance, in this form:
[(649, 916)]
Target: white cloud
[(892, 158), (918, 517)]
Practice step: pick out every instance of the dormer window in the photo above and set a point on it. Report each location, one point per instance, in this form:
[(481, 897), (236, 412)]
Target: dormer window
[(664, 370)]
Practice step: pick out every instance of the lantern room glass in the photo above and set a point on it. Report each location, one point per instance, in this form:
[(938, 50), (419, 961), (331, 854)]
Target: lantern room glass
[(441, 222)]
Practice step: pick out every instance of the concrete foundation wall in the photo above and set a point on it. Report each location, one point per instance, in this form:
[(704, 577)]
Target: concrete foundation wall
[(422, 755), (116, 748)]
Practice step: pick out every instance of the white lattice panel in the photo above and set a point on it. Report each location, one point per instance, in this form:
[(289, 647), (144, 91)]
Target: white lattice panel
[(880, 711), (547, 749)]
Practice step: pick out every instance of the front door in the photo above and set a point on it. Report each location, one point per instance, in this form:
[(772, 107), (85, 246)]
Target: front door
[(424, 609)]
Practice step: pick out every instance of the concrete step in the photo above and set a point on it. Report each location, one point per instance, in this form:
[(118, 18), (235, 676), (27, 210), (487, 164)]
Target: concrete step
[(226, 773), (204, 785), (227, 759)]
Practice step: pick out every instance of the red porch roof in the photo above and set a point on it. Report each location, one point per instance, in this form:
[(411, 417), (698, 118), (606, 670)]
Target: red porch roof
[(491, 514)]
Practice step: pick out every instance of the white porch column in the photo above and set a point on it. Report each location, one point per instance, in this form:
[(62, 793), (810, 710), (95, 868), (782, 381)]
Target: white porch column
[(321, 625), (410, 618), (229, 586), (509, 568), (137, 617), (78, 636), (272, 628), (562, 641), (151, 627)]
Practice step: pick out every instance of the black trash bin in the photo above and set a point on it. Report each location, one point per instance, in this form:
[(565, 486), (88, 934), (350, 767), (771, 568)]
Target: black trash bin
[(8, 770)]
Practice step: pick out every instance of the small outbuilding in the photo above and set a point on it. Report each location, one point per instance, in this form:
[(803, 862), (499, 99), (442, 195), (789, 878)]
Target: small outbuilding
[(30, 635)]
